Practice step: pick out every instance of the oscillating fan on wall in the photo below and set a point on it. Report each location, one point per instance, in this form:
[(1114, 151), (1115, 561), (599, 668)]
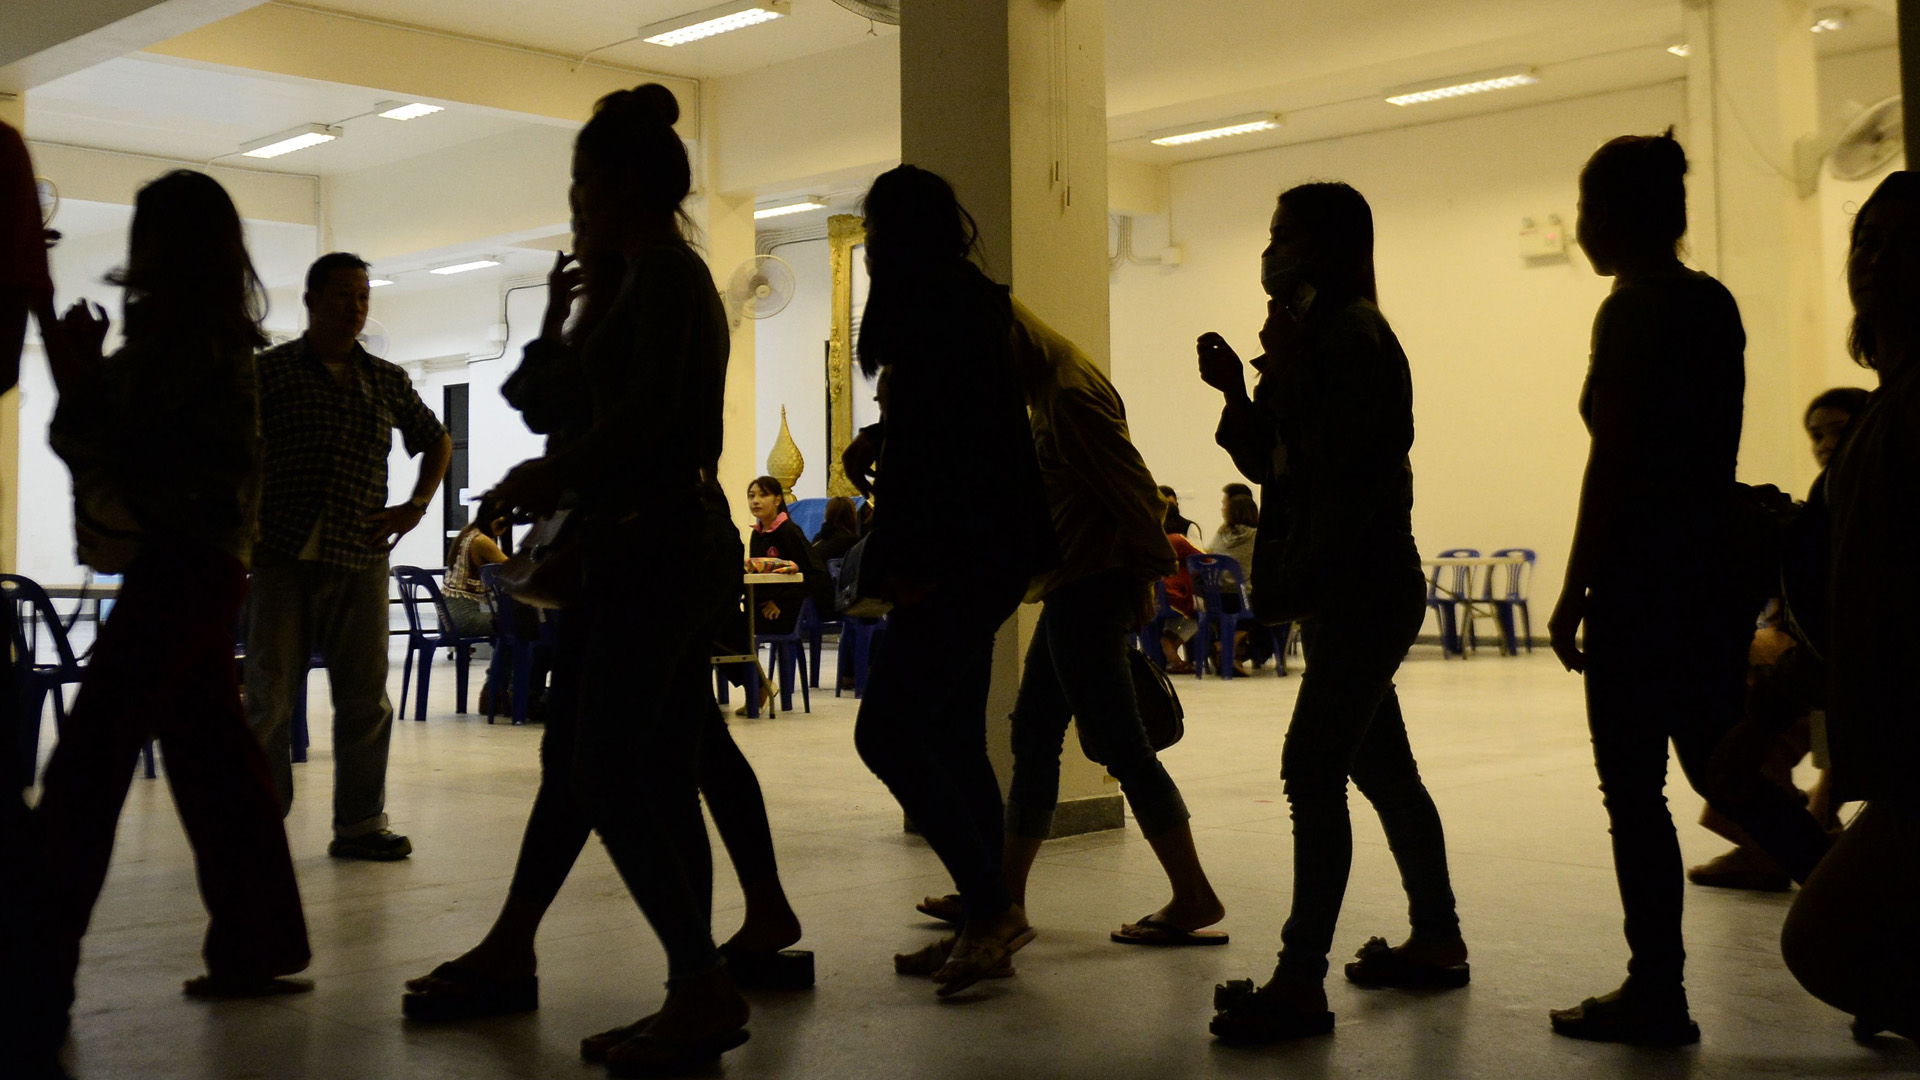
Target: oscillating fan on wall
[(759, 287), (1870, 142), (49, 199), (373, 338), (880, 11)]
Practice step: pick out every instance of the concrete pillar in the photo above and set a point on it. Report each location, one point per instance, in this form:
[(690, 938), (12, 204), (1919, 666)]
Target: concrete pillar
[(1752, 96), (1909, 15), (1007, 100), (13, 110), (728, 239)]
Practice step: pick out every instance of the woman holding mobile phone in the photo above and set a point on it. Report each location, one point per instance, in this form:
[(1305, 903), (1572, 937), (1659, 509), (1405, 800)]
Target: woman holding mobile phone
[(1326, 434)]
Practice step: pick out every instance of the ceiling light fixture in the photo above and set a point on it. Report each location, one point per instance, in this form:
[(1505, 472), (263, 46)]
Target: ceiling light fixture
[(288, 141), (1215, 129), (714, 20), (1680, 49), (811, 202), (1461, 86), (1829, 19), (463, 267), (407, 110), (375, 283)]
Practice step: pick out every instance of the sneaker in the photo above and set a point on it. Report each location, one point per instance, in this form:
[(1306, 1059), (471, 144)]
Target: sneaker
[(383, 846)]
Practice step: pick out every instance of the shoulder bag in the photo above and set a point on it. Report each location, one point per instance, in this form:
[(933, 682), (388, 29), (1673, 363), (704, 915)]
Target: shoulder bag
[(545, 571), (1160, 708)]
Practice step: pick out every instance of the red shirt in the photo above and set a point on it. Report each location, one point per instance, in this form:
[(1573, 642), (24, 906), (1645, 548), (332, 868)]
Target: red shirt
[(23, 251), (1180, 583)]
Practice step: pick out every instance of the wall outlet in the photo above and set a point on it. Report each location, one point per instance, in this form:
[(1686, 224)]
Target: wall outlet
[(1543, 238)]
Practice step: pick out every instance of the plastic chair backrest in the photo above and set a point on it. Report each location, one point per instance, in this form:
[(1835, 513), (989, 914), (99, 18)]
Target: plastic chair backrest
[(1162, 607), (1518, 575), (1462, 587), (18, 590), (505, 626), (417, 586), (1211, 574)]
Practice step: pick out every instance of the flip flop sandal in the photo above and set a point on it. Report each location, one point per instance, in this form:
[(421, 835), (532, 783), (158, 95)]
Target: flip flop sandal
[(1618, 1019), (1227, 994), (965, 969), (931, 958), (1250, 1018), (755, 969), (1377, 965), (946, 908), (647, 1054), (594, 1047), (235, 988), (454, 991), (1163, 934)]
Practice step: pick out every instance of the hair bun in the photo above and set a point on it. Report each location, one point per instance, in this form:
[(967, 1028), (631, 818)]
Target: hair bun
[(657, 101), (1667, 153)]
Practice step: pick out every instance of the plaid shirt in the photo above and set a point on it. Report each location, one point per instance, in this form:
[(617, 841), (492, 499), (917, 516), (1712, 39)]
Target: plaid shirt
[(327, 448)]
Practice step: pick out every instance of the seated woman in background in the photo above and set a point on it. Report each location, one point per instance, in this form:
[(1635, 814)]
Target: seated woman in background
[(1850, 936), (475, 547), (1176, 523), (1179, 585), (1240, 519), (774, 536), (839, 530)]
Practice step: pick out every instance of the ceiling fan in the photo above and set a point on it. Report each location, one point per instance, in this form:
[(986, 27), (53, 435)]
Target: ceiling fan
[(880, 11)]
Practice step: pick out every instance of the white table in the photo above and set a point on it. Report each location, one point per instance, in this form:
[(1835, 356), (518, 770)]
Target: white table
[(752, 655)]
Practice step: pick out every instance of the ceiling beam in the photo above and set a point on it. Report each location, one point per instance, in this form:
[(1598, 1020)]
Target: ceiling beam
[(309, 43), (46, 39)]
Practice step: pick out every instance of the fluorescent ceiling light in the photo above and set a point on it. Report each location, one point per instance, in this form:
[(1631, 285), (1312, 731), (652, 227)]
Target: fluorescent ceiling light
[(1216, 129), (463, 267), (1680, 49), (1828, 19), (407, 110), (714, 20), (1461, 86), (288, 141), (375, 283), (811, 202)]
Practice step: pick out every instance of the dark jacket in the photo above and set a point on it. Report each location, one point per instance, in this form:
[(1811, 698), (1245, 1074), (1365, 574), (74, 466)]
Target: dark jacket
[(1326, 438)]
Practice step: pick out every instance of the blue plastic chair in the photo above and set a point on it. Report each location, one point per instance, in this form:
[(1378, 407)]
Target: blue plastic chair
[(1150, 634), (34, 679), (1449, 592), (813, 627), (510, 650), (417, 588), (1516, 578), (1216, 577)]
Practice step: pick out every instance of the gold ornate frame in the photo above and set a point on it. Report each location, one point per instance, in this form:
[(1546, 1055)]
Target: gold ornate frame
[(844, 233)]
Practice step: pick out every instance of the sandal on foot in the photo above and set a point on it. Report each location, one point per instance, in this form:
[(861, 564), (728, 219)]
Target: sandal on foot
[(1377, 964), (946, 908), (650, 1054), (1251, 1018), (594, 1047), (1623, 1017), (931, 958), (454, 991), (1149, 930), (769, 969), (979, 960), (235, 987)]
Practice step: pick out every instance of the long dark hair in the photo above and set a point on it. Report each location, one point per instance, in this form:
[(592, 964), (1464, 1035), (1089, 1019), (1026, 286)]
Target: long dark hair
[(841, 514), (630, 139), (1242, 511), (1904, 185), (1339, 227), (921, 245), (1638, 185), (188, 272)]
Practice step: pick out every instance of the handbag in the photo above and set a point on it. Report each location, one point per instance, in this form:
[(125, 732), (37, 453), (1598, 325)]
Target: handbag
[(1160, 709), (857, 591), (545, 572)]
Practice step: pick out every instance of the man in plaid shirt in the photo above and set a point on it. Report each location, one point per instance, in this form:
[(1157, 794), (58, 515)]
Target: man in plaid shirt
[(327, 413)]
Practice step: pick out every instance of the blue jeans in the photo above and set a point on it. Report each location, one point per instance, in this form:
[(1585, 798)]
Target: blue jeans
[(1077, 670), (296, 609), (923, 729), (1347, 724)]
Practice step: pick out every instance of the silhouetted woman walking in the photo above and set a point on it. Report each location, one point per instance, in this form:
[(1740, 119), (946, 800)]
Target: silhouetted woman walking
[(640, 392), (1663, 406), (954, 435), (163, 438), (1326, 435)]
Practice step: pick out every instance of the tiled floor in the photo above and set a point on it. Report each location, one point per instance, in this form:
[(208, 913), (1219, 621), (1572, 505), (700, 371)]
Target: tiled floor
[(1502, 745)]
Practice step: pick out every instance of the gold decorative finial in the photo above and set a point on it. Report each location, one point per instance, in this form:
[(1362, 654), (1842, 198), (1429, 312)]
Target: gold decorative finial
[(784, 462)]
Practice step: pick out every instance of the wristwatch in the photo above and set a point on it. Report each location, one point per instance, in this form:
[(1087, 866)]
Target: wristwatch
[(419, 503)]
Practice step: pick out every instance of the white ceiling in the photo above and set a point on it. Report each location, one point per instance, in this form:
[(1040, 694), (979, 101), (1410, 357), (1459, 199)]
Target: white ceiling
[(576, 27), (174, 108)]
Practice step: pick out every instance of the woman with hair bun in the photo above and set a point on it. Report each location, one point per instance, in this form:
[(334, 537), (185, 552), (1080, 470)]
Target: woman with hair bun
[(630, 395), (1662, 404)]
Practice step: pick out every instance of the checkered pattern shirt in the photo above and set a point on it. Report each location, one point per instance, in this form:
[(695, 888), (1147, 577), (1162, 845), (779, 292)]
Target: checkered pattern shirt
[(327, 446)]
